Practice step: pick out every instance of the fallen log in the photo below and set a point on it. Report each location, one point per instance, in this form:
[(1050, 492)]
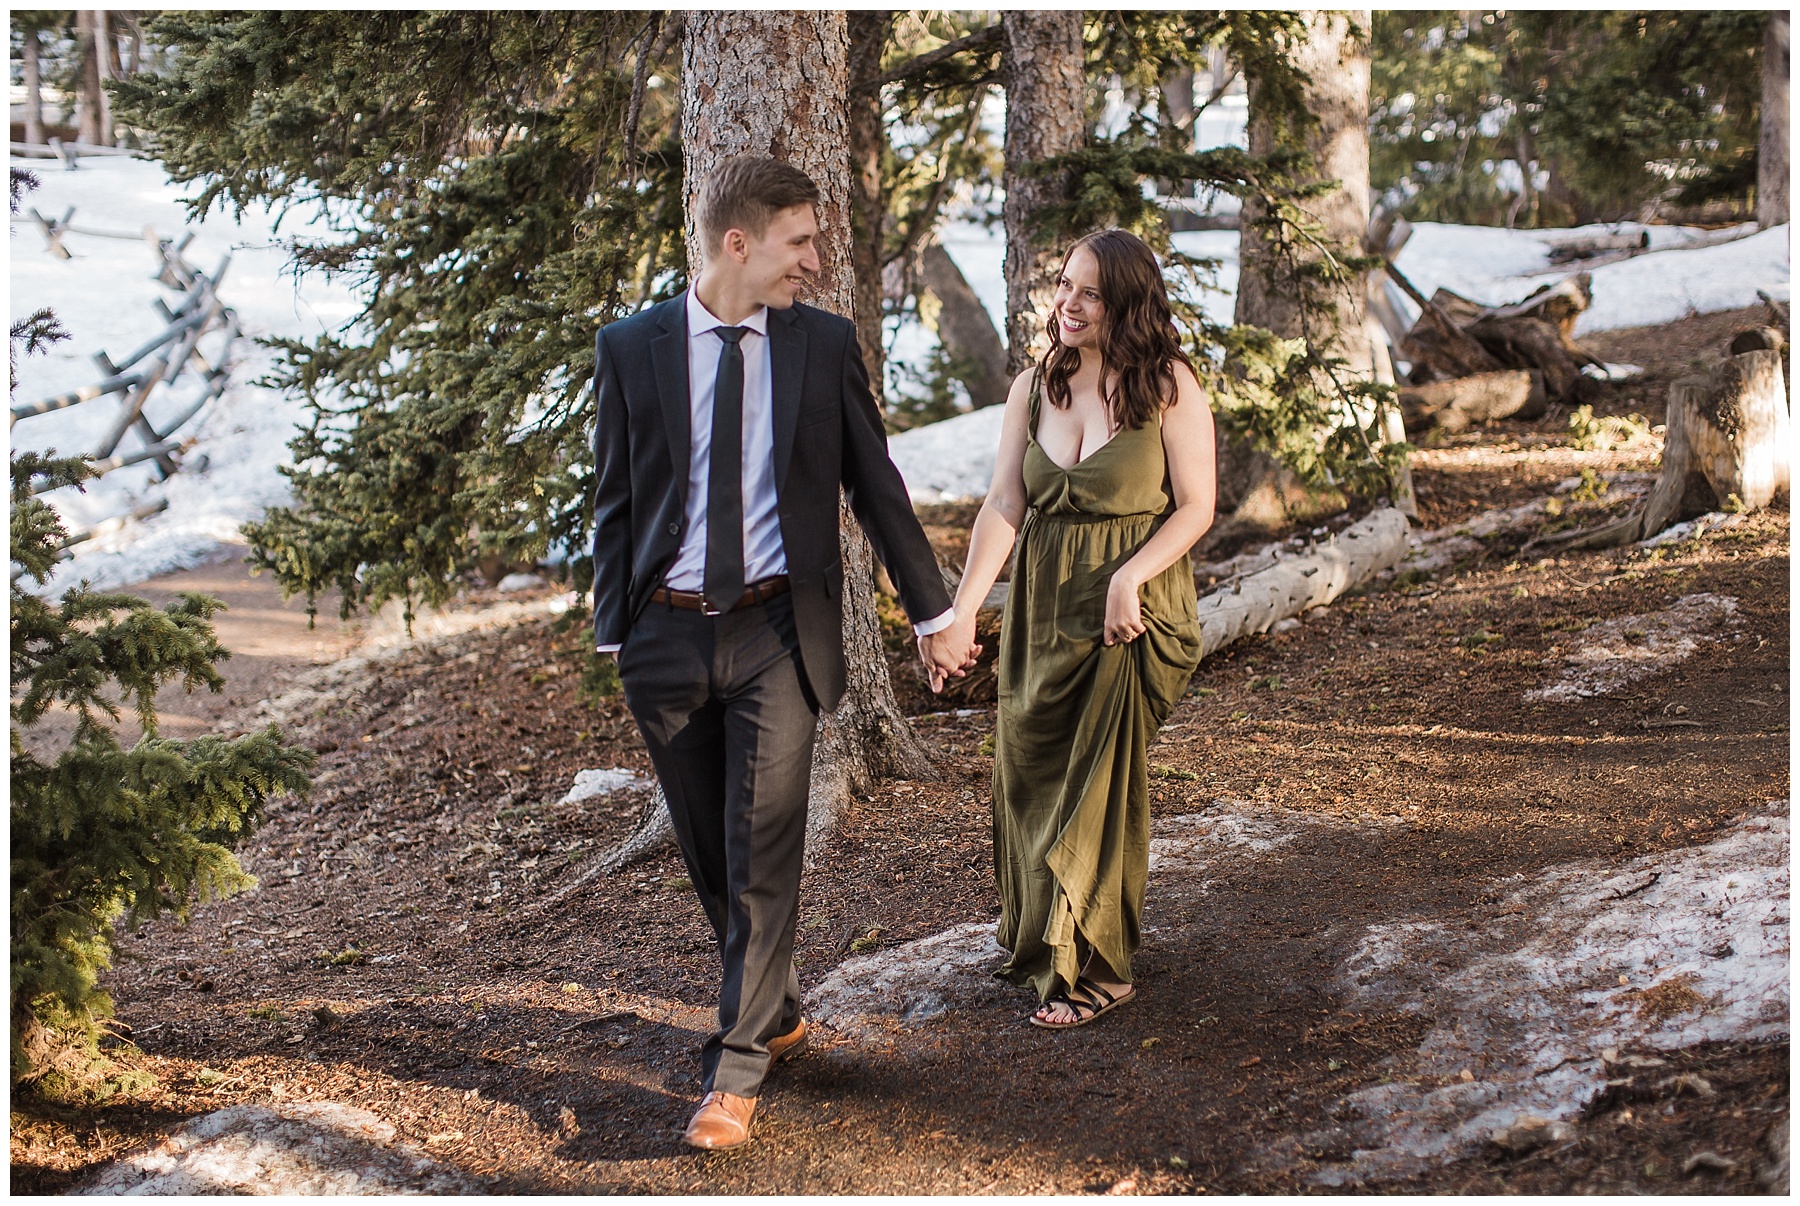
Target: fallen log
[(1726, 447), (1457, 404), (1447, 350), (1343, 562), (1534, 344), (1560, 304), (1564, 250), (1757, 339), (1533, 335), (1777, 310)]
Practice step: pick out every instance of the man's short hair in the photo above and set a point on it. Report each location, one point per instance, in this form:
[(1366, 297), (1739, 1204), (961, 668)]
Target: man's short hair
[(745, 192)]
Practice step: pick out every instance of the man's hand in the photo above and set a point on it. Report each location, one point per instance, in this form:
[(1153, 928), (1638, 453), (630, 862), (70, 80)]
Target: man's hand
[(949, 653)]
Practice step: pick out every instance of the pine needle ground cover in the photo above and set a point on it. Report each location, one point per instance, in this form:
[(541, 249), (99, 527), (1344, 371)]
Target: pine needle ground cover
[(394, 957)]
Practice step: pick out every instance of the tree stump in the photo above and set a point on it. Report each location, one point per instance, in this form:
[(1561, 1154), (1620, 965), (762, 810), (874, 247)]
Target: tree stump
[(1726, 447)]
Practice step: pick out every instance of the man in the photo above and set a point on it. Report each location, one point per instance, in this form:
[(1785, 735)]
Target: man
[(727, 420)]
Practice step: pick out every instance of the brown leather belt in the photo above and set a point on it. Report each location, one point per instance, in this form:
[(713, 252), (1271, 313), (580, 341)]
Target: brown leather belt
[(692, 600)]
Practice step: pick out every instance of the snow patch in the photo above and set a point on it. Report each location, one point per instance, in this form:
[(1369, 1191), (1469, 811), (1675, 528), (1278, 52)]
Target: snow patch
[(1607, 655), (1693, 529), (1687, 270), (1663, 952), (304, 1148), (929, 977), (913, 982), (1196, 843), (591, 783), (951, 460), (102, 296)]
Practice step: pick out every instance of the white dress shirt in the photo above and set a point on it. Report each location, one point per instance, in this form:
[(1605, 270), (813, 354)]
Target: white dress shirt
[(764, 556)]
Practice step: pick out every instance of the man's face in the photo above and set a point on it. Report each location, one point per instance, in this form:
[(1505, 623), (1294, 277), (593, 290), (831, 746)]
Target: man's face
[(779, 265)]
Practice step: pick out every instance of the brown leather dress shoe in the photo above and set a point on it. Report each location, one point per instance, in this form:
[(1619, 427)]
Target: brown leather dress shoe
[(723, 1120), (787, 1046)]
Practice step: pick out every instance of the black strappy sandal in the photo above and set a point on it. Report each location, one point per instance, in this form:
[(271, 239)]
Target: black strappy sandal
[(1093, 1002)]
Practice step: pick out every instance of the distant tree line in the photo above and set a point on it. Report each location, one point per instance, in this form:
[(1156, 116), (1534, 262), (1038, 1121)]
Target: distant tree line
[(1557, 117)]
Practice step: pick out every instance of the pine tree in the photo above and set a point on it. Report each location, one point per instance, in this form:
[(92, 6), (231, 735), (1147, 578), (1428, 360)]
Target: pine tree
[(101, 832), (1620, 110), (513, 181)]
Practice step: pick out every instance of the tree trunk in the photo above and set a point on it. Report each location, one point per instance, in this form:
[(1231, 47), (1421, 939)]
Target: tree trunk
[(868, 31), (1725, 446), (1736, 424), (1046, 89), (769, 82), (1772, 149), (34, 89), (106, 55), (92, 112), (1335, 56), (965, 328)]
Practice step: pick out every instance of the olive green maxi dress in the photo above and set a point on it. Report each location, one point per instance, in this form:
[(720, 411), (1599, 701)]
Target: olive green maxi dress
[(1076, 717)]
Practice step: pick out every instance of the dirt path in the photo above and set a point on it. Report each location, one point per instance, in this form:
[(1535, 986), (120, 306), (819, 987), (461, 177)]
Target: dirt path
[(1377, 767), (270, 640)]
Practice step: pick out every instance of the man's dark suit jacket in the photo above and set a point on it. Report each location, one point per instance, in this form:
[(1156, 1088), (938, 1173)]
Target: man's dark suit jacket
[(827, 432)]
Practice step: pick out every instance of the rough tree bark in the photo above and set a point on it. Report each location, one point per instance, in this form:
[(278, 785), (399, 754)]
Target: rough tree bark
[(965, 328), (868, 31), (1046, 89), (1772, 148), (775, 83), (1262, 495), (1335, 56), (90, 96), (34, 88)]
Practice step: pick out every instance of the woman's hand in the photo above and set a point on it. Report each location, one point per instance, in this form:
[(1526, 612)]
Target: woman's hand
[(950, 653), (1124, 614)]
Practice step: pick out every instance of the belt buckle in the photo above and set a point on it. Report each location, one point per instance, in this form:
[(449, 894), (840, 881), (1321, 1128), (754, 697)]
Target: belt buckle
[(706, 608)]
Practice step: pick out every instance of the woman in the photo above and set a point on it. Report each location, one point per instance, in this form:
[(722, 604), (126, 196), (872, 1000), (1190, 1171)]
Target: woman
[(1105, 489)]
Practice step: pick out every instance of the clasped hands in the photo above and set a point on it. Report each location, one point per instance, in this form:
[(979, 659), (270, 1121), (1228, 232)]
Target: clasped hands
[(950, 652)]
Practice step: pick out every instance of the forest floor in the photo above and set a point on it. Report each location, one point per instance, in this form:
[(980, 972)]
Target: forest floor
[(397, 956)]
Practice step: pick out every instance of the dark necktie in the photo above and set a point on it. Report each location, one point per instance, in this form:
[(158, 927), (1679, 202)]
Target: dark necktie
[(724, 481)]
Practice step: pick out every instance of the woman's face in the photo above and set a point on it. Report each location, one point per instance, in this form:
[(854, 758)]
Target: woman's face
[(1080, 314)]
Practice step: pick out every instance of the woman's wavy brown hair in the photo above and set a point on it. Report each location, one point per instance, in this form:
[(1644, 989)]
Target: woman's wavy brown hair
[(1137, 340)]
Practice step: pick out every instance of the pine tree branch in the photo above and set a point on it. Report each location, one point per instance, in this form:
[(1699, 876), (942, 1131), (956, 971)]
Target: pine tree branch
[(982, 40)]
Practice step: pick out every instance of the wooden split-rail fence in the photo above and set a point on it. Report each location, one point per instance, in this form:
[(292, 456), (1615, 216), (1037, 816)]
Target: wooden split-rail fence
[(161, 362)]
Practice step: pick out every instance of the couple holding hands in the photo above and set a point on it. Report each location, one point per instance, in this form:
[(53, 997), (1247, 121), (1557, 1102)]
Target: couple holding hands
[(728, 419)]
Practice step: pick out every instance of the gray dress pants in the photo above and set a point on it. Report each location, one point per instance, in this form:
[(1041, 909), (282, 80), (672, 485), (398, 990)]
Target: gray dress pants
[(728, 718)]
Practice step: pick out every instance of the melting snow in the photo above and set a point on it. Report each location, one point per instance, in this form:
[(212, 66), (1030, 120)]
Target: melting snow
[(926, 978), (103, 298), (1611, 653), (591, 783), (303, 1149), (1663, 952)]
